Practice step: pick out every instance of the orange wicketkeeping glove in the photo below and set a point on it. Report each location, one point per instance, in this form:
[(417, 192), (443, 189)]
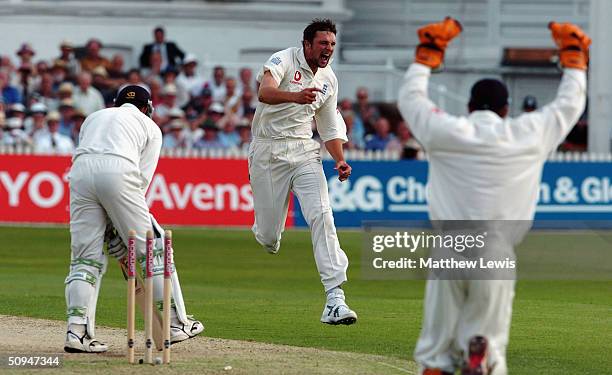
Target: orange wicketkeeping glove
[(434, 39), (573, 45)]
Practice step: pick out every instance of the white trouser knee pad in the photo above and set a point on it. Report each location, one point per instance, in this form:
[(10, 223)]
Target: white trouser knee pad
[(82, 289)]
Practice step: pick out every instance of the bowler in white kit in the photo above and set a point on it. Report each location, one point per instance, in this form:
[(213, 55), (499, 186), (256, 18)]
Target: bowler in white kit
[(297, 85), (111, 171)]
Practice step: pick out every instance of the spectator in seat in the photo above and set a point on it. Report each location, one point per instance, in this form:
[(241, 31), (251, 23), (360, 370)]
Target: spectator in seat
[(229, 136), (155, 70), (193, 133), (134, 77), (189, 79), (36, 123), (100, 82), (156, 87), (405, 144), (246, 79), (215, 114), (64, 92), (210, 139), (175, 138), (244, 132), (10, 94), (381, 137), (217, 84), (247, 102), (17, 110), (15, 134), (78, 118), (231, 101), (26, 81), (116, 72), (6, 64), (367, 113), (68, 60), (161, 113), (45, 93), (85, 96), (60, 74), (198, 108), (66, 110), (530, 103), (355, 140), (26, 54), (93, 58), (54, 142), (175, 113), (170, 53)]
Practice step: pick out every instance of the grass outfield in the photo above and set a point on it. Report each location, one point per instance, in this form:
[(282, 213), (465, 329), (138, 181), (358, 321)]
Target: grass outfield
[(240, 292)]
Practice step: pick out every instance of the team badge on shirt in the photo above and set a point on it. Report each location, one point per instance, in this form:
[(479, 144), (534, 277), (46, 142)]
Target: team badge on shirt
[(297, 77), (275, 60), (324, 89)]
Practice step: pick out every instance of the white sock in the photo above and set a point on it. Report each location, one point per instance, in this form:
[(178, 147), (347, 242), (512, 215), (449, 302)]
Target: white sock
[(334, 290), (77, 329)]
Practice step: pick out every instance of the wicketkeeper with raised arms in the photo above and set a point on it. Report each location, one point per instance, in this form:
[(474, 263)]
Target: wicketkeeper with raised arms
[(482, 167), (298, 85), (112, 168)]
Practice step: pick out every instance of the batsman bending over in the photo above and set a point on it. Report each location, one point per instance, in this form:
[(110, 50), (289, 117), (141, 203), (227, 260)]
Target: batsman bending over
[(111, 171)]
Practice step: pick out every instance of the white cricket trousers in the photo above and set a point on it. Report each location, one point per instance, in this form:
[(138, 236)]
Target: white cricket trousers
[(102, 185), (277, 167), (457, 310)]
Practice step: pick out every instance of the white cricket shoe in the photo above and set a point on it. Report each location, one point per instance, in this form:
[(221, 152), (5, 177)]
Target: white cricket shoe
[(336, 311), (181, 332), (82, 343)]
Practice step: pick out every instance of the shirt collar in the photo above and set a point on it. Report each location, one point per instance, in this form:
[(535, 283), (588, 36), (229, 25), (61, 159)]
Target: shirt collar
[(485, 116), (302, 60), (130, 105)]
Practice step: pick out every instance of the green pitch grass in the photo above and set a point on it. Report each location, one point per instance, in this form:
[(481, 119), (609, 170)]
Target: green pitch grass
[(241, 292)]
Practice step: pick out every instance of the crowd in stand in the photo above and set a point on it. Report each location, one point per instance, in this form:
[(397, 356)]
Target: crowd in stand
[(44, 103)]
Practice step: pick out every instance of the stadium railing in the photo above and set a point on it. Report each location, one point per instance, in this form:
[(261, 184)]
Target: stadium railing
[(378, 155)]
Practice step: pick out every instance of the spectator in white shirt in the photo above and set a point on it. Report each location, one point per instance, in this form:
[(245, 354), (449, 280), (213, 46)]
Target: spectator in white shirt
[(217, 84), (189, 79), (54, 142), (175, 137), (162, 112), (36, 125), (85, 96), (14, 133)]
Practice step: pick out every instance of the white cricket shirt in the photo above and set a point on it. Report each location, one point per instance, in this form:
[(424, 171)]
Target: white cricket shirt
[(290, 120), (483, 167), (125, 132)]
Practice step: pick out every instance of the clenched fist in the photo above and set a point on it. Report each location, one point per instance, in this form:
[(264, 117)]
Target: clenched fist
[(306, 96)]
